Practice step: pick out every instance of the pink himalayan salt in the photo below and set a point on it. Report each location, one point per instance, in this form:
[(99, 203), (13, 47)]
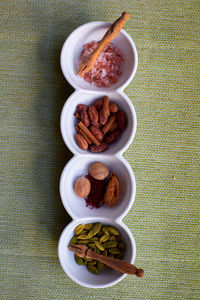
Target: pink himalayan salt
[(108, 66)]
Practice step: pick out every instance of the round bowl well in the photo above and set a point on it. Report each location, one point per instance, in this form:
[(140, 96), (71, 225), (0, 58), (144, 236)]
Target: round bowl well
[(68, 120), (80, 274), (78, 167), (94, 31)]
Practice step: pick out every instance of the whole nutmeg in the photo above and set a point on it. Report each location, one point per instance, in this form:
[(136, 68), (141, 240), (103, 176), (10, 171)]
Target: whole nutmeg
[(82, 187), (99, 171)]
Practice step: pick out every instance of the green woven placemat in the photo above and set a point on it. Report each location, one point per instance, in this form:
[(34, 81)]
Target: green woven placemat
[(164, 155)]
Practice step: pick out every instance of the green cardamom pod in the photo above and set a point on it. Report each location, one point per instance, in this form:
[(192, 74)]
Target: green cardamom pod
[(84, 242), (79, 260), (113, 230), (105, 229), (88, 226), (94, 238), (95, 230), (82, 236), (114, 251), (73, 240), (92, 269), (105, 238), (100, 266), (110, 244), (99, 246), (92, 262), (78, 229)]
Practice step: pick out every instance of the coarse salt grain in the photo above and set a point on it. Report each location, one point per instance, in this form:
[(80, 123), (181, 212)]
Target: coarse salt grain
[(108, 66)]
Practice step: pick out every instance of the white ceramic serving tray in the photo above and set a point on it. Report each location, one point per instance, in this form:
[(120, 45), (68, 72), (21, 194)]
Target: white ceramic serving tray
[(86, 93)]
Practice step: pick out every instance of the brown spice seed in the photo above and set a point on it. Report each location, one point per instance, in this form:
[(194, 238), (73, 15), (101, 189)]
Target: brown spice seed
[(99, 171), (82, 187)]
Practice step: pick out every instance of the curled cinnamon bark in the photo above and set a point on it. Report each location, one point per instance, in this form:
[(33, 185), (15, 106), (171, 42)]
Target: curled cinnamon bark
[(106, 108), (88, 133), (105, 112), (79, 130), (113, 127), (108, 125), (102, 119)]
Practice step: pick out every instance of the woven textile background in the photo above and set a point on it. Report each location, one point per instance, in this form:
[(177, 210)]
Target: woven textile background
[(164, 155)]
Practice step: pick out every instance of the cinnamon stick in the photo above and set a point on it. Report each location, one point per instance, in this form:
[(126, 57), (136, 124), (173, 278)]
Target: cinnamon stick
[(79, 130), (88, 133), (113, 127), (111, 33), (108, 125), (102, 119), (106, 108)]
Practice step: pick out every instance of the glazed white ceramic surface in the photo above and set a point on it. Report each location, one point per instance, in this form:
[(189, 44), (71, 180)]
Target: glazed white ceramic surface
[(77, 167), (94, 31), (68, 120), (86, 93), (80, 274)]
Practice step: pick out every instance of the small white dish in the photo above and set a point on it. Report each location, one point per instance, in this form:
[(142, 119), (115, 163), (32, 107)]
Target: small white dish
[(68, 120), (77, 167), (94, 31), (80, 274)]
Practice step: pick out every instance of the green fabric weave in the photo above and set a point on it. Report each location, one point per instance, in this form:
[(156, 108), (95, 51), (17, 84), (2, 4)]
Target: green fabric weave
[(164, 155)]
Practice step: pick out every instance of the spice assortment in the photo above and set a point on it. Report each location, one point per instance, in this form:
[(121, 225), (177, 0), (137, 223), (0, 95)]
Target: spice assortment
[(99, 124), (102, 239), (97, 187)]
